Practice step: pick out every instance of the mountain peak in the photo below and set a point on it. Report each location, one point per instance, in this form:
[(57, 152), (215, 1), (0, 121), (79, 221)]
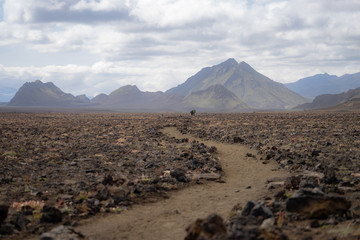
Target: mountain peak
[(245, 66), (251, 87), (44, 94), (230, 62)]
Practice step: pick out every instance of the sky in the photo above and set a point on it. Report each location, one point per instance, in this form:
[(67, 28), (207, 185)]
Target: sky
[(96, 46)]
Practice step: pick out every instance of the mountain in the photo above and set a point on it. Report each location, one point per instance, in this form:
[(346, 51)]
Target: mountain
[(215, 97), (45, 94), (330, 100), (319, 84), (6, 93), (131, 98), (350, 105), (251, 87)]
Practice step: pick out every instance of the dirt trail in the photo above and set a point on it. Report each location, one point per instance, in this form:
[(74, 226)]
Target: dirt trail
[(168, 218)]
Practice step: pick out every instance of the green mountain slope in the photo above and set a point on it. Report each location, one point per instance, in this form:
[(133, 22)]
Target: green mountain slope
[(215, 97), (44, 94), (253, 88)]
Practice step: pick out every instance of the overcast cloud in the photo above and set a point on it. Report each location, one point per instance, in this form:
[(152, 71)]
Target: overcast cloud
[(93, 46)]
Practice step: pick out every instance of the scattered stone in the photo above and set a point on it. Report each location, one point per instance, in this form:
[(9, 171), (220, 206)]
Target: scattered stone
[(62, 233), (6, 229), (179, 174), (262, 211), (248, 207), (51, 215), (238, 139), (315, 224), (210, 228), (268, 223), (4, 209), (313, 203), (21, 222)]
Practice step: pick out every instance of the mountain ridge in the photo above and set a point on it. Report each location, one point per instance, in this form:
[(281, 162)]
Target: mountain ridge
[(45, 94), (320, 84), (330, 100), (250, 86)]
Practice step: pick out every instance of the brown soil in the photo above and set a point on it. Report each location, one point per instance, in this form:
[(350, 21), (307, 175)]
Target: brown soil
[(245, 180)]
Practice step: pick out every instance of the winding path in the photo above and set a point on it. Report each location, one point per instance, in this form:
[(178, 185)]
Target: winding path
[(168, 218)]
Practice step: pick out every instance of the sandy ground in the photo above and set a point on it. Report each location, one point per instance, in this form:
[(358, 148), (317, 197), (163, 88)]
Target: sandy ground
[(168, 218)]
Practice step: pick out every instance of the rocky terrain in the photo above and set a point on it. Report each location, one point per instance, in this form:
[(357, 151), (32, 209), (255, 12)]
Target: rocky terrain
[(58, 168), (320, 200), (320, 84)]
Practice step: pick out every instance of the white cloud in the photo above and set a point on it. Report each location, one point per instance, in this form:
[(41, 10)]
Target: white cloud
[(159, 44)]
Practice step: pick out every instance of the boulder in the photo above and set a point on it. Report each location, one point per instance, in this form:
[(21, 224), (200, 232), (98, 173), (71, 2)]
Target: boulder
[(51, 215), (210, 228), (4, 209), (313, 203), (60, 233)]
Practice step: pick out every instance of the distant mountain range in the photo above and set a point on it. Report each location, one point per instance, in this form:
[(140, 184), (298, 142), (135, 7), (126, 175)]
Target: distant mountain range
[(332, 100), (6, 93), (319, 84), (44, 95), (229, 86), (251, 87)]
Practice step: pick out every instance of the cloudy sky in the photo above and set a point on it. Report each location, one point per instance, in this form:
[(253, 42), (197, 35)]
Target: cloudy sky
[(93, 46)]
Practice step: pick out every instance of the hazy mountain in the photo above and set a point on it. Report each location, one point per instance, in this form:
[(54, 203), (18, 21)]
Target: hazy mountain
[(45, 94), (131, 98), (329, 100), (319, 84), (6, 93), (215, 97), (350, 105), (253, 88)]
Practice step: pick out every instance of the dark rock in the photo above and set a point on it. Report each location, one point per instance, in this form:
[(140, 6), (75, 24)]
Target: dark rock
[(315, 224), (108, 179), (149, 165), (4, 209), (61, 233), (313, 203), (315, 153), (118, 193), (21, 222), (238, 139), (245, 233), (102, 194), (179, 174), (260, 210), (330, 177), (202, 151), (212, 149), (6, 229), (51, 215), (247, 209), (308, 183), (210, 228), (292, 182)]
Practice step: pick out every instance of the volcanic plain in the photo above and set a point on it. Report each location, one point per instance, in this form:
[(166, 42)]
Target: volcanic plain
[(292, 175)]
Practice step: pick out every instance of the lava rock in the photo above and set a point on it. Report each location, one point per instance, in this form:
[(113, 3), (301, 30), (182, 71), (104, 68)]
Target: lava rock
[(4, 209), (248, 207), (210, 228), (21, 222), (262, 211), (62, 232), (51, 215), (179, 174), (6, 229), (238, 139), (313, 203)]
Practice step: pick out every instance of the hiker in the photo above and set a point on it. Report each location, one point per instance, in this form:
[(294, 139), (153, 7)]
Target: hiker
[(192, 112)]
